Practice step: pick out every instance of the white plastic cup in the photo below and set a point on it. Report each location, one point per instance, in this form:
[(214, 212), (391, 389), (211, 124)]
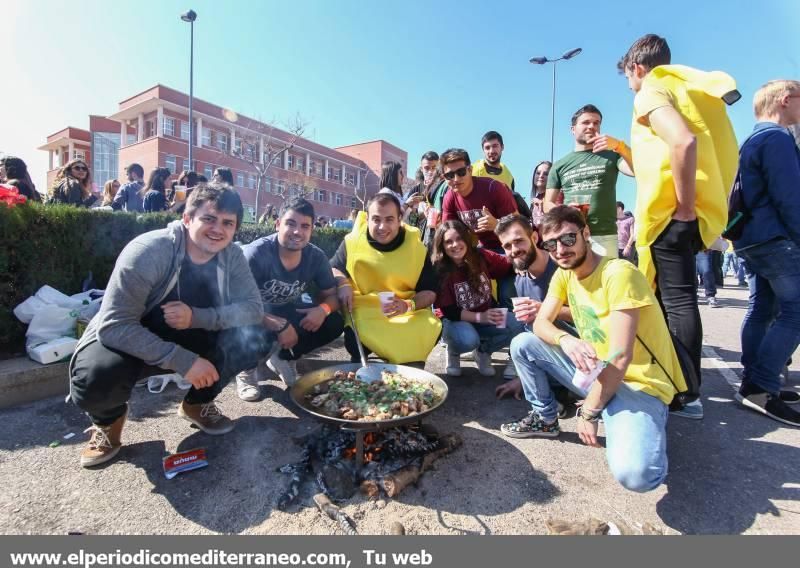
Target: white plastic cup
[(584, 380), (518, 300), (505, 317), (385, 298)]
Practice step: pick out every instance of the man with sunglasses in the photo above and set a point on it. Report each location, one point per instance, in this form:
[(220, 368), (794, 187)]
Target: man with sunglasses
[(478, 202), (587, 177), (623, 364)]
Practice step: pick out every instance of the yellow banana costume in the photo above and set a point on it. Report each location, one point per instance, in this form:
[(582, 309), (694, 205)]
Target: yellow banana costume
[(400, 339), (697, 97), (479, 170)]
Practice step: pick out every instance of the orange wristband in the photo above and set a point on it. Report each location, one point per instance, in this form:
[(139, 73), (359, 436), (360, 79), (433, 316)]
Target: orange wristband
[(326, 308)]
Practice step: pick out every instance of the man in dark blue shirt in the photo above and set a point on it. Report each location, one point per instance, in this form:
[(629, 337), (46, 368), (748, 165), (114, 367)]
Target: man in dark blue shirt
[(534, 272), (287, 267), (769, 166)]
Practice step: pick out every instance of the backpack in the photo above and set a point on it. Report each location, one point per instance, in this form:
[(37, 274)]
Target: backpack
[(690, 374), (738, 212)]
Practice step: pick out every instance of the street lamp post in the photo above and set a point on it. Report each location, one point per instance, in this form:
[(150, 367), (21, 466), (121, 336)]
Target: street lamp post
[(541, 61), (190, 17)]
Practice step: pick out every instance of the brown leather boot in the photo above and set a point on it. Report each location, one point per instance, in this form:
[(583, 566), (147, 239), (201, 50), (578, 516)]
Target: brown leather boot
[(104, 443), (207, 417)]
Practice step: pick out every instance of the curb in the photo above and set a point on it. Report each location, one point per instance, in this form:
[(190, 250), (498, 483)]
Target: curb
[(23, 380)]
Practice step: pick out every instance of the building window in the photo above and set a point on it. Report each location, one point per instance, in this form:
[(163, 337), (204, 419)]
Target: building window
[(222, 142), (237, 147), (185, 129), (335, 174), (105, 156), (300, 164), (338, 198), (278, 161), (169, 126), (131, 139), (240, 179), (149, 129), (206, 138), (171, 164), (186, 164), (251, 182), (350, 179), (322, 196), (79, 155), (268, 185), (291, 161), (280, 187), (353, 203), (208, 171)]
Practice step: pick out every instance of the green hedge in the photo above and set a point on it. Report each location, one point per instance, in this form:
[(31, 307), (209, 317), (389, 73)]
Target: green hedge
[(60, 245)]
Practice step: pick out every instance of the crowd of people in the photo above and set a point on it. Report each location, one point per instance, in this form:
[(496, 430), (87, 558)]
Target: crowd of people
[(597, 307)]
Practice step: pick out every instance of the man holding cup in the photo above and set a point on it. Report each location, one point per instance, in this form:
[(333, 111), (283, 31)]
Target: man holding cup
[(587, 178), (383, 255)]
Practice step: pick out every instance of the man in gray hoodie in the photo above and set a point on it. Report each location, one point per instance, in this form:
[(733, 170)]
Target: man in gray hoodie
[(181, 299)]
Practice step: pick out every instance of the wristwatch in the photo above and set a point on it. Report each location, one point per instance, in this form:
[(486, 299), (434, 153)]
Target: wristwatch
[(588, 415)]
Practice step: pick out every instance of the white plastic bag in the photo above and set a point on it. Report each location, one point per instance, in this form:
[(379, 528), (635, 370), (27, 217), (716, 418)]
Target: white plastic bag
[(49, 323), (27, 309)]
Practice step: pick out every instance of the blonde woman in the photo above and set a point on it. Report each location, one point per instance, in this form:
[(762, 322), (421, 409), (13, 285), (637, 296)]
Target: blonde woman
[(110, 189), (73, 185)]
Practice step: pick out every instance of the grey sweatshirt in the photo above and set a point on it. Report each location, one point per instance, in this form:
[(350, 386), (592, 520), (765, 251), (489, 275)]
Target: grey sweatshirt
[(146, 270)]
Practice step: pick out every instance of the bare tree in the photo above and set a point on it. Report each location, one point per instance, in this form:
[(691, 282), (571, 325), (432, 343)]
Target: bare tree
[(274, 149)]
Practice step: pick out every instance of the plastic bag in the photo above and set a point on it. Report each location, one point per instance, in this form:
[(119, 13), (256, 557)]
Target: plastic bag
[(51, 323), (10, 195)]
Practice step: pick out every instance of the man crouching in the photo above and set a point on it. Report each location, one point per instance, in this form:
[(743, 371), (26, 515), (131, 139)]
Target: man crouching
[(176, 300)]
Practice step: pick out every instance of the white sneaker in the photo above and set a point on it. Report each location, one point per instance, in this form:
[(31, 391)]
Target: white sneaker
[(247, 386), (510, 372), (712, 302), (453, 363), (286, 370), (484, 361)]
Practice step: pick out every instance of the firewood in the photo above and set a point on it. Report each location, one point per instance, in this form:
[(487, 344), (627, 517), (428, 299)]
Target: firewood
[(326, 506), (369, 487), (393, 483)]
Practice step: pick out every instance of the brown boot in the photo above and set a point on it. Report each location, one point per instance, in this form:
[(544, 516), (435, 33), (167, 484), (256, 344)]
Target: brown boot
[(104, 443), (207, 417)]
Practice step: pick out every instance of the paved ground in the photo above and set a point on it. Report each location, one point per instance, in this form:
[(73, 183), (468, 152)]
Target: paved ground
[(734, 472)]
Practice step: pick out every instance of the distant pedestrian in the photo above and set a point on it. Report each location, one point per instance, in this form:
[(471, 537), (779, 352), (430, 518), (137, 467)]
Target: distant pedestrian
[(110, 189), (14, 172), (626, 237), (223, 175), (73, 185), (154, 198), (128, 198), (538, 188)]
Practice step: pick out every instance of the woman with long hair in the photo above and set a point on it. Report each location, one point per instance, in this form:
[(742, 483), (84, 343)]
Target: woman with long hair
[(472, 320), (15, 173), (538, 187), (110, 189), (153, 194), (73, 185), (392, 178)]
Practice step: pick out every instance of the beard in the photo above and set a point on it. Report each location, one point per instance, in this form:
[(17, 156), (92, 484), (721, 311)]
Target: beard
[(573, 262), (522, 263)]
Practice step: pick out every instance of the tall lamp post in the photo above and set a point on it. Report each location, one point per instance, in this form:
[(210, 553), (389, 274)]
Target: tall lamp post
[(541, 61), (190, 17)]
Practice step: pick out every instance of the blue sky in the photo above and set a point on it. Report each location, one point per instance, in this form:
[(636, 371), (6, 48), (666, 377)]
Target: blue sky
[(420, 75)]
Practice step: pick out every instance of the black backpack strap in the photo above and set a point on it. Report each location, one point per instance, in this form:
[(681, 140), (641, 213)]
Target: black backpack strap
[(657, 362)]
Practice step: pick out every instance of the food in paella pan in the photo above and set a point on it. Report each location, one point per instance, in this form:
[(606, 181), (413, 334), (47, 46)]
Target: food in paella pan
[(394, 396)]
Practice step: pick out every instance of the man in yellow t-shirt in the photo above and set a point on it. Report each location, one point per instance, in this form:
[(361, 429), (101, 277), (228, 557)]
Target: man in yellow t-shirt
[(685, 158), (619, 320)]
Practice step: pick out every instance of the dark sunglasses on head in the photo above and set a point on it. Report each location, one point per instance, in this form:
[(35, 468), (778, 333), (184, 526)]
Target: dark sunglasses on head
[(460, 172), (80, 168), (567, 239)]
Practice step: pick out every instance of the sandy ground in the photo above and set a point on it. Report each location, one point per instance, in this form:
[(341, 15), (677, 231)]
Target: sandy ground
[(734, 472)]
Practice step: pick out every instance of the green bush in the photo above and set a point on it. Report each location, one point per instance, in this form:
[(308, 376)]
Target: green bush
[(60, 245)]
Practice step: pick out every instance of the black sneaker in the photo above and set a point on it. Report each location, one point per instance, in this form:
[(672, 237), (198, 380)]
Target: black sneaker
[(790, 397), (770, 405), (532, 426)]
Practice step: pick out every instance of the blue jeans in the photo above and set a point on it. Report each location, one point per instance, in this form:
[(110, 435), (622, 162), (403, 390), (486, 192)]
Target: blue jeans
[(706, 270), (463, 336), (635, 422), (771, 327), (729, 261)]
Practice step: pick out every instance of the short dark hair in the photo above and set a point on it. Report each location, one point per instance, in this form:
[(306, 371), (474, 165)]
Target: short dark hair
[(382, 198), (648, 51), (505, 223), (492, 135), (583, 110), (455, 155), (226, 174), (135, 169), (222, 195), (187, 178), (298, 205), (558, 216), (431, 156), (621, 205)]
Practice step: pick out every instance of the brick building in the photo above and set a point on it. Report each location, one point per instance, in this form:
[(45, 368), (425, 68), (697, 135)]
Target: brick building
[(152, 129)]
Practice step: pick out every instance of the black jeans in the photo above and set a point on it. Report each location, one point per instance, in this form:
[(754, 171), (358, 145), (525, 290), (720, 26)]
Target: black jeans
[(676, 283), (308, 341), (102, 378)]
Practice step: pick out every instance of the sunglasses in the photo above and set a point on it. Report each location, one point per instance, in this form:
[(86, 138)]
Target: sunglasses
[(80, 168), (567, 239), (460, 172)]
